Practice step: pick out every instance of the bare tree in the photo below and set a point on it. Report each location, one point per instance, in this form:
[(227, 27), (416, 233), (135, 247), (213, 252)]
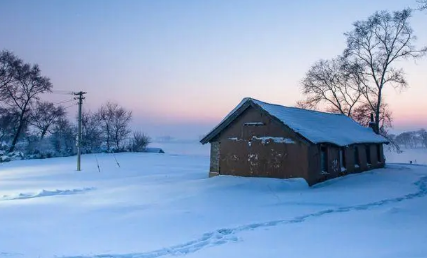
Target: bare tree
[(8, 64), (422, 5), (8, 123), (105, 115), (91, 132), (140, 141), (115, 124), (120, 124), (362, 113), (377, 44), (22, 90), (407, 139), (423, 136), (63, 137), (335, 83), (45, 115)]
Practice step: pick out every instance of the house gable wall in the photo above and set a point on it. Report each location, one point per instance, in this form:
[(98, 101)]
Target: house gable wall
[(254, 144)]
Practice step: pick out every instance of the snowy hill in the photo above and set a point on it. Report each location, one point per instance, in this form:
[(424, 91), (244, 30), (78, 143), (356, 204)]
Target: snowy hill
[(163, 205)]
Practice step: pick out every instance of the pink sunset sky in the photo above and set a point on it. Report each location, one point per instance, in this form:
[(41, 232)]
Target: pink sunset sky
[(181, 66)]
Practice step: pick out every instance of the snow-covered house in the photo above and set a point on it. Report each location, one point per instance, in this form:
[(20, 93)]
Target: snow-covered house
[(268, 140)]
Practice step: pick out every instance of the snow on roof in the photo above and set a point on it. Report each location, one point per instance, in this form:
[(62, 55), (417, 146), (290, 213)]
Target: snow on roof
[(315, 126)]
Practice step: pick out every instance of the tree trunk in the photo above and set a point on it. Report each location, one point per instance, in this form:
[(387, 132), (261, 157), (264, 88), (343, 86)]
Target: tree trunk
[(18, 131), (377, 113), (117, 140), (108, 137), (43, 134)]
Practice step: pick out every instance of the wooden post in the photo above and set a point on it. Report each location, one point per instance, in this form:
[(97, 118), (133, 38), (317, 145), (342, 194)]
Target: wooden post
[(79, 122)]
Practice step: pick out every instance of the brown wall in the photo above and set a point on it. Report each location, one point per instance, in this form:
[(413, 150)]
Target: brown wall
[(334, 170), (242, 154), (334, 166), (349, 157), (314, 173), (382, 158)]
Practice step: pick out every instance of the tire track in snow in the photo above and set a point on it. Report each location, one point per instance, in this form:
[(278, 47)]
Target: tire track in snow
[(228, 235)]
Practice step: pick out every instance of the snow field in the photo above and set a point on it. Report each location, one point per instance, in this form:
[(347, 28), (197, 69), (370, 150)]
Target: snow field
[(163, 205)]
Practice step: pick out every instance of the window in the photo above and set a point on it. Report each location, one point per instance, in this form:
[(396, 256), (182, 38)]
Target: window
[(323, 159), (342, 159), (356, 157), (379, 153), (368, 154), (253, 124)]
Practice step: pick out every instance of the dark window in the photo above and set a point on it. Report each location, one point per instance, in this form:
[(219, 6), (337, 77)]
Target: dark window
[(323, 159), (253, 124), (368, 154), (379, 153), (356, 156), (342, 158)]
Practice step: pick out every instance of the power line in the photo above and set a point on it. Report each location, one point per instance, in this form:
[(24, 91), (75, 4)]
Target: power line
[(61, 92), (64, 101), (75, 104)]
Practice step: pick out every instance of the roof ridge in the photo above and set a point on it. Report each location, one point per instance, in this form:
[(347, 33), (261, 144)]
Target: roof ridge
[(309, 110), (315, 126)]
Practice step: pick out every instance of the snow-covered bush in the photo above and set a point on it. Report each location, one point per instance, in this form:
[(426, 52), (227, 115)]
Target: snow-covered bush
[(139, 142)]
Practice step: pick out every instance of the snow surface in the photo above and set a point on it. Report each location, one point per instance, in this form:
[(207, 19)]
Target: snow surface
[(417, 156), (317, 127), (163, 205), (44, 193), (187, 147)]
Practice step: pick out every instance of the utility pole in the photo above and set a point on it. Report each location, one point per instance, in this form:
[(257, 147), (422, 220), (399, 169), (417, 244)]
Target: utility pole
[(80, 98)]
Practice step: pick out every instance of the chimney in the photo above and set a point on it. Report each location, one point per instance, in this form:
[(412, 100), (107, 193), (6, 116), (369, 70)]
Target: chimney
[(373, 125)]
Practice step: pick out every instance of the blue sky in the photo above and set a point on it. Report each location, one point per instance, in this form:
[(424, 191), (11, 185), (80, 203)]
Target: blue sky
[(182, 65)]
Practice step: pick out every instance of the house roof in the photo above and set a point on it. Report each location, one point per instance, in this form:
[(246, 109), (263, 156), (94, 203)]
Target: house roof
[(314, 126)]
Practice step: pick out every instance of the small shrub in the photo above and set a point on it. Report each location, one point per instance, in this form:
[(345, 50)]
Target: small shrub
[(140, 141)]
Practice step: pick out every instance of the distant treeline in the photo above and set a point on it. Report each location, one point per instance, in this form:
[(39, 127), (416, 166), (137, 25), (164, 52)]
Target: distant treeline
[(33, 128), (410, 139)]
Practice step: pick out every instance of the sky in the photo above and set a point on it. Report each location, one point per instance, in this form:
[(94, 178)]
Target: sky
[(181, 66)]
